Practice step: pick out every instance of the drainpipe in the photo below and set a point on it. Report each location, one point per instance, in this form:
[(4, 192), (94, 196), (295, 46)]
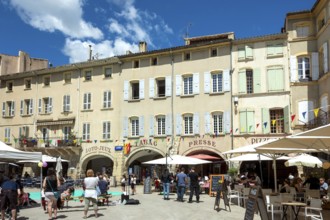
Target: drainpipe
[(78, 97)]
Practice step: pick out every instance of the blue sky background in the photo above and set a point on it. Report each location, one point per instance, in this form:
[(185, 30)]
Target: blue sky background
[(61, 30)]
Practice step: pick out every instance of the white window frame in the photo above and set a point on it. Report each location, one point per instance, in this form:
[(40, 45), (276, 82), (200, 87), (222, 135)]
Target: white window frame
[(305, 66), (66, 103), (107, 99), (87, 101), (217, 86), (188, 121), (88, 75), (135, 126), (188, 84), (8, 109), (66, 132), (161, 125), (7, 135), (217, 118), (86, 131), (106, 127), (106, 70)]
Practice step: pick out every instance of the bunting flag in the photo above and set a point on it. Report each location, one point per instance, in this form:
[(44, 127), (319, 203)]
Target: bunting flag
[(273, 122), (95, 141), (258, 125), (292, 117), (236, 130), (265, 124), (316, 111), (304, 114), (15, 139), (250, 127)]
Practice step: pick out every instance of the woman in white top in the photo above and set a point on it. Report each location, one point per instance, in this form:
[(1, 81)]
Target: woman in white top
[(133, 183), (90, 183)]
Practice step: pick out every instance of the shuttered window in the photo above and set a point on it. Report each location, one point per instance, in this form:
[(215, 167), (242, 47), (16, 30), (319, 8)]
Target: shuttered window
[(275, 78)]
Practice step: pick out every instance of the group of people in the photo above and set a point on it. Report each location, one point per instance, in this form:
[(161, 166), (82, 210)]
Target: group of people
[(182, 181), (300, 184), (131, 180)]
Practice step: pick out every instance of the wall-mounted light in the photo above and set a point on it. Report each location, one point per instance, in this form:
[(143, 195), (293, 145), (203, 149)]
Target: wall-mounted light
[(236, 101)]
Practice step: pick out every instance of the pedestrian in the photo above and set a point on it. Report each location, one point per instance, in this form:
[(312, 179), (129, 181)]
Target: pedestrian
[(182, 181), (50, 185), (123, 183), (9, 195), (323, 187), (103, 185), (90, 183), (133, 184), (166, 181), (194, 185)]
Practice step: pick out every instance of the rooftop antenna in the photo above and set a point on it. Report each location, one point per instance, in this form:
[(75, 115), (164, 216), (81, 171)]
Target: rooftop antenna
[(90, 53), (187, 30)]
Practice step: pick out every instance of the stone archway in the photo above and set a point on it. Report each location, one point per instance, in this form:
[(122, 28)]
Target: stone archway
[(97, 162)]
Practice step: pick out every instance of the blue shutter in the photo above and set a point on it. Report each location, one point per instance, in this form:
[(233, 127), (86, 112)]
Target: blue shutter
[(178, 81), (126, 90), (178, 124), (196, 123), (168, 122), (196, 83), (141, 126), (151, 125), (207, 82), (125, 127), (168, 84), (151, 87), (226, 80), (207, 120)]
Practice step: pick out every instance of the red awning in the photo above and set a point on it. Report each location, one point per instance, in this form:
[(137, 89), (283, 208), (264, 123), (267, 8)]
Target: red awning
[(205, 157)]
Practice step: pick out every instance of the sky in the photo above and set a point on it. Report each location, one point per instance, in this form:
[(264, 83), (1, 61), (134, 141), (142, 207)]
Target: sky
[(62, 30)]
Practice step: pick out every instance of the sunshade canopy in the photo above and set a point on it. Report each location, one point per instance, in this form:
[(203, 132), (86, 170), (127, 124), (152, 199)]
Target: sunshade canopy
[(10, 154), (45, 158), (255, 157), (304, 160)]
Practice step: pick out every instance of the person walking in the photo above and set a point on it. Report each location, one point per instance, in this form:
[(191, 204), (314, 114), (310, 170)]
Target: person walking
[(123, 183), (90, 183), (194, 185), (9, 195), (166, 180), (182, 181), (50, 185)]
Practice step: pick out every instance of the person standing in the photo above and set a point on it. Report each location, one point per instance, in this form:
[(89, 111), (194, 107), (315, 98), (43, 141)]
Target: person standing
[(103, 185), (133, 184), (323, 187), (123, 183), (90, 183), (182, 181), (194, 185), (50, 185), (9, 196), (166, 180)]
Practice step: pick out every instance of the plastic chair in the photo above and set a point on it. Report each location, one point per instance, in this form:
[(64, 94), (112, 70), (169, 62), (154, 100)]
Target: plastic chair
[(314, 211), (274, 206), (233, 194), (312, 193)]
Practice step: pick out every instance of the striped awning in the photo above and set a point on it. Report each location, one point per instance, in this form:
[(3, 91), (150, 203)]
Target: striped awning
[(61, 122)]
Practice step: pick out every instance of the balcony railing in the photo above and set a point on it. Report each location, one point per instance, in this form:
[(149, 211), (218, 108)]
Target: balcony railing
[(49, 142), (321, 119)]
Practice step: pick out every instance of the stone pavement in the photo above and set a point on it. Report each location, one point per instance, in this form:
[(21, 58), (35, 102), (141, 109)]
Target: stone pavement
[(152, 206)]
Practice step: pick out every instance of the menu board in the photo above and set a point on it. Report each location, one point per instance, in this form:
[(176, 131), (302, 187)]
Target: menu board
[(255, 201), (215, 184)]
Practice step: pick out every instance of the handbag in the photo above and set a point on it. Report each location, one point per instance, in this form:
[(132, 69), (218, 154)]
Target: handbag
[(56, 194)]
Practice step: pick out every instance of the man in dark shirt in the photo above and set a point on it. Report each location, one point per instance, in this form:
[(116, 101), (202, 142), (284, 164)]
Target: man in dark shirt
[(103, 185), (194, 185), (10, 192)]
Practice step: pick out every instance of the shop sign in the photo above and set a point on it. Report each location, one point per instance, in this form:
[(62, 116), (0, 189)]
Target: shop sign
[(202, 142), (96, 149), (118, 148), (261, 139)]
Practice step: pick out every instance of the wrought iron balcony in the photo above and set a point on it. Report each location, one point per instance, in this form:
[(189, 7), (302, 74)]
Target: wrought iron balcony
[(321, 119)]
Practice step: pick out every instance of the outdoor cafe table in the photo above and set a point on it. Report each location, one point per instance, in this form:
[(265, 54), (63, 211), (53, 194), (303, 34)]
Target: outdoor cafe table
[(293, 205)]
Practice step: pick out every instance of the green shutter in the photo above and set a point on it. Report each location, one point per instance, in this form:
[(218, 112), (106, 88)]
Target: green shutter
[(256, 81), (250, 121), (242, 121), (241, 53), (248, 52), (287, 119), (275, 80), (242, 81), (278, 49), (265, 121), (270, 50)]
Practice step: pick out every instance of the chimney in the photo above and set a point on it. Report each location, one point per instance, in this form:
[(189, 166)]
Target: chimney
[(90, 53), (142, 47)]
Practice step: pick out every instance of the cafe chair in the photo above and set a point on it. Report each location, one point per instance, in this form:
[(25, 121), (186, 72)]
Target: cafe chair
[(314, 210), (233, 194), (245, 195), (274, 206), (312, 193)]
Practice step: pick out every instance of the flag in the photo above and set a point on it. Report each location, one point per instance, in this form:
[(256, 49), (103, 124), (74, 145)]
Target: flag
[(304, 114), (273, 122), (292, 117), (258, 125), (316, 112), (265, 124)]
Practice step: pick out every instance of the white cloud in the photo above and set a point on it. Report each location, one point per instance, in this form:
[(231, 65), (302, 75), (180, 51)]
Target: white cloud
[(78, 50), (62, 15)]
